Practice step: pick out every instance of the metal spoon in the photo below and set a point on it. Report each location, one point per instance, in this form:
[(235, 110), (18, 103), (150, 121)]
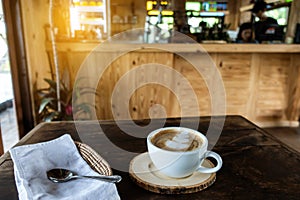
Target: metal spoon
[(63, 175)]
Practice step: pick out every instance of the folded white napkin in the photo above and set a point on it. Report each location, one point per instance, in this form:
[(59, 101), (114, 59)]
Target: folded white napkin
[(31, 162)]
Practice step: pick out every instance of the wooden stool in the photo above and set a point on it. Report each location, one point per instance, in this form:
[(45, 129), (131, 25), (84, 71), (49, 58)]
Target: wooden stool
[(1, 142)]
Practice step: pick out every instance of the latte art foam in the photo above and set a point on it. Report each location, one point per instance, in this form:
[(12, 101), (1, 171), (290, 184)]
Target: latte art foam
[(174, 140)]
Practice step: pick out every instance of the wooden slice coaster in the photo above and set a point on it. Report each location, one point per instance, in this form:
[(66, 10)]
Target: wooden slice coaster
[(144, 174)]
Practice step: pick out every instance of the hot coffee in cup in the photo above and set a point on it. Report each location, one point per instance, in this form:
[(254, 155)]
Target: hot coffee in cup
[(178, 152), (174, 140)]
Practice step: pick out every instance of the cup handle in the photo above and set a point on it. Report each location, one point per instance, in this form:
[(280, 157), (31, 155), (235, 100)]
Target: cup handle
[(217, 157)]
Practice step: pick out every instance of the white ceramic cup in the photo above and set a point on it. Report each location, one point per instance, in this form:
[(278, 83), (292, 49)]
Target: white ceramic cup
[(179, 164)]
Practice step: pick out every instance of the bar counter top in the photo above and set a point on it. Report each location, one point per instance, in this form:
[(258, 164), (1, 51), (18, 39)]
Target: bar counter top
[(178, 47)]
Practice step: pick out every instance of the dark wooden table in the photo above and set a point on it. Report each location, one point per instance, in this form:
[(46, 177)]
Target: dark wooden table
[(256, 165)]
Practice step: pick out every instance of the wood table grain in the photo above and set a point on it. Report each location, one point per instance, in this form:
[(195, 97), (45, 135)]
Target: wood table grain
[(256, 165)]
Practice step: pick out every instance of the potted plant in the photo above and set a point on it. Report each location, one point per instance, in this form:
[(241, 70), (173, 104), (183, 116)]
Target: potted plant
[(47, 101)]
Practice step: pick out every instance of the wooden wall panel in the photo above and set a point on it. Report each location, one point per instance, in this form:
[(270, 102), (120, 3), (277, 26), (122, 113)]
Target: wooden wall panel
[(69, 63), (144, 97), (293, 104), (257, 86), (148, 101), (235, 71), (253, 88), (260, 86), (177, 101), (272, 86), (199, 78)]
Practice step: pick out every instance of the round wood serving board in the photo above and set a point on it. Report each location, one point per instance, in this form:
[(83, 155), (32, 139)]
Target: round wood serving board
[(144, 174)]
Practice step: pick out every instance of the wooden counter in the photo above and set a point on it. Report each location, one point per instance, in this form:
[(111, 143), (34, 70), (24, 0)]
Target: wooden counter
[(261, 81), (181, 47)]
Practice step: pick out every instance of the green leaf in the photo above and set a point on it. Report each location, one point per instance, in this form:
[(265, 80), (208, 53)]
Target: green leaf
[(44, 103), (51, 83), (51, 117)]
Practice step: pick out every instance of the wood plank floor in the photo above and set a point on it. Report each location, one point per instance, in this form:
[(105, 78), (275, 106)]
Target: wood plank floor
[(288, 135)]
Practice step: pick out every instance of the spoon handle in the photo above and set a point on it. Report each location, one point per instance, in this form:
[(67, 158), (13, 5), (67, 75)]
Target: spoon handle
[(111, 179)]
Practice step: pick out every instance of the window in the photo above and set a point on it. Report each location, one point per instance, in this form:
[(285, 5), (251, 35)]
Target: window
[(280, 14)]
